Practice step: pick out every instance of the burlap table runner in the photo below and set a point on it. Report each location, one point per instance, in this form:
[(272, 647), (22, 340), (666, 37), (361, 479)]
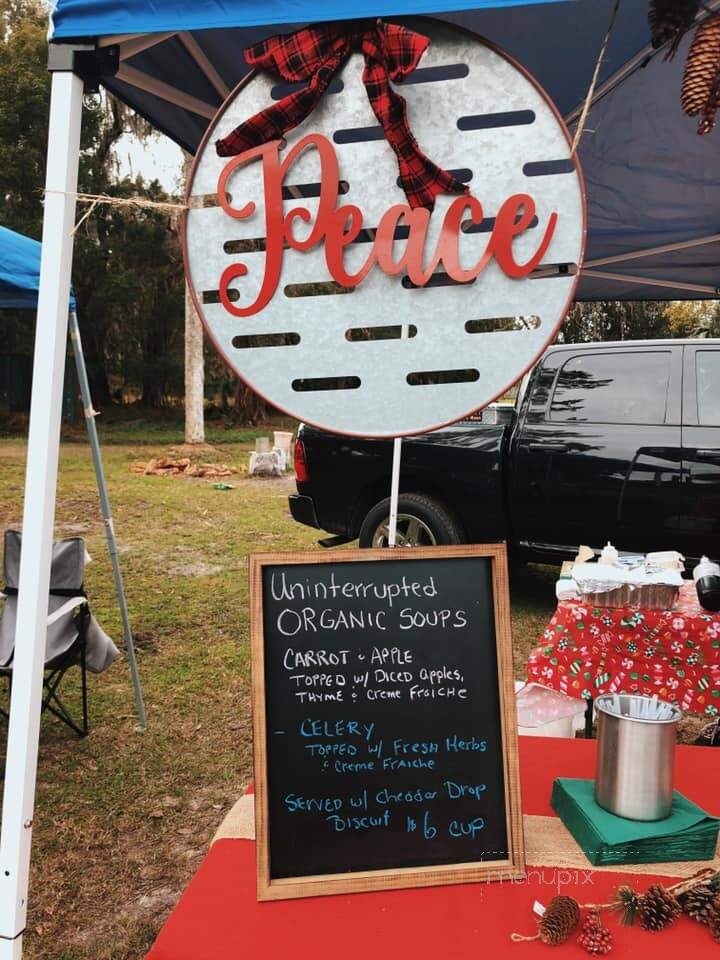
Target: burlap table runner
[(547, 844)]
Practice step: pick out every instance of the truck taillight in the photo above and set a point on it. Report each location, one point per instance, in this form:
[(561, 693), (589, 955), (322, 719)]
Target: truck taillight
[(301, 470)]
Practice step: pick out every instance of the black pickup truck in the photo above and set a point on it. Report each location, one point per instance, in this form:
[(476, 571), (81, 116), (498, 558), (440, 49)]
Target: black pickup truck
[(606, 441)]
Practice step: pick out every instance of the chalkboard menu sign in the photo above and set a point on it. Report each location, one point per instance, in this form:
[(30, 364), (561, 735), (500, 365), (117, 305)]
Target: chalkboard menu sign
[(384, 721)]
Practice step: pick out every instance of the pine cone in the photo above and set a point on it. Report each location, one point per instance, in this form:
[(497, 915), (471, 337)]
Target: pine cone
[(657, 908), (696, 903), (670, 20), (700, 87), (713, 920), (559, 920)]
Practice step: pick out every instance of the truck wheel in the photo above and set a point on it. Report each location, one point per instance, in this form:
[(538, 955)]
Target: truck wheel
[(421, 522)]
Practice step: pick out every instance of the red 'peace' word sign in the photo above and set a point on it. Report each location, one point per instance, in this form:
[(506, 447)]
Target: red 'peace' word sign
[(337, 226)]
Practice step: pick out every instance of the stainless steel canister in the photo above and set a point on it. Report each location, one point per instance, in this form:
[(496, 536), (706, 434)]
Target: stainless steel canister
[(635, 758)]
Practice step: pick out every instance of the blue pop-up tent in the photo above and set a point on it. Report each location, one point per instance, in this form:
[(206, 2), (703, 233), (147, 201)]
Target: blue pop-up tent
[(653, 215), (20, 272)]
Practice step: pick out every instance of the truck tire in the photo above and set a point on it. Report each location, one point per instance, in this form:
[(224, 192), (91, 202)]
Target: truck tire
[(422, 522)]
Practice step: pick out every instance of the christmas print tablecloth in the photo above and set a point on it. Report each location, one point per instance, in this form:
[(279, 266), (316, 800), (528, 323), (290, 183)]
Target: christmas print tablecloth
[(588, 651)]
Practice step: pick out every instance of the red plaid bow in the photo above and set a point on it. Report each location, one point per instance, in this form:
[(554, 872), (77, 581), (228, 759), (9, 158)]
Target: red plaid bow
[(316, 54)]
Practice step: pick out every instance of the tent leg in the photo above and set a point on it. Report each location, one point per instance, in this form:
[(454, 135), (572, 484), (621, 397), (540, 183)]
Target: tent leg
[(106, 511), (39, 509)]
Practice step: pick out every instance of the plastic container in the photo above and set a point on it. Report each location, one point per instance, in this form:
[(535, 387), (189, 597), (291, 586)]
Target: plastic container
[(282, 440), (542, 712), (635, 759)]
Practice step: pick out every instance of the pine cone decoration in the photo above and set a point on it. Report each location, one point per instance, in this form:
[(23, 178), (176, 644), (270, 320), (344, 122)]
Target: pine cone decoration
[(594, 937), (697, 903), (657, 908), (559, 920), (670, 20), (700, 86), (713, 919)]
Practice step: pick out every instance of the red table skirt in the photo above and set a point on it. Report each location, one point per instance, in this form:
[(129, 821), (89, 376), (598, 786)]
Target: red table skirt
[(219, 918), (672, 653)]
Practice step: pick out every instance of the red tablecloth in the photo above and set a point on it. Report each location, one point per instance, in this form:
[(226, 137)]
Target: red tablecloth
[(218, 917), (673, 653)]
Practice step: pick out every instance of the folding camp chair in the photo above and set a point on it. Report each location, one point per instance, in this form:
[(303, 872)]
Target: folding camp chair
[(73, 636)]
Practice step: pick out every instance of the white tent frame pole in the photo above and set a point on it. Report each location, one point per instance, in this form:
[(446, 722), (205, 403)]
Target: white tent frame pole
[(648, 282), (204, 63), (131, 46), (158, 88), (39, 509), (90, 415), (652, 251)]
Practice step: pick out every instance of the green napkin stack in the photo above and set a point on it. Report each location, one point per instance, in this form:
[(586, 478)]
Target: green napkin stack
[(687, 834)]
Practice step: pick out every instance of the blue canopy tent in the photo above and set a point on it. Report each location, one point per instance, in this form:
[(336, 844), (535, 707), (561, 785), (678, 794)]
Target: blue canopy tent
[(653, 205), (20, 272)]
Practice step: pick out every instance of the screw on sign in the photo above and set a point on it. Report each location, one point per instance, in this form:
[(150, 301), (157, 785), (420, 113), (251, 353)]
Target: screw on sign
[(341, 303)]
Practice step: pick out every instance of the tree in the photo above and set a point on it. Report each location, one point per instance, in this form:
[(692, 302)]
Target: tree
[(615, 320), (693, 318), (127, 267)]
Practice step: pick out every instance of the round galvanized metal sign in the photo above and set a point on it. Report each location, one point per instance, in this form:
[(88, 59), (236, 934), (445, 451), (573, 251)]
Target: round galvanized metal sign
[(391, 353)]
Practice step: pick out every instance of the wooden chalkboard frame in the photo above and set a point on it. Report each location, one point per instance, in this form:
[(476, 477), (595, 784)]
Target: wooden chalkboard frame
[(363, 881)]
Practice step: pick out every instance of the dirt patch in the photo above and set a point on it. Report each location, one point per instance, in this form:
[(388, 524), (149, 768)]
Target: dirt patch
[(197, 569)]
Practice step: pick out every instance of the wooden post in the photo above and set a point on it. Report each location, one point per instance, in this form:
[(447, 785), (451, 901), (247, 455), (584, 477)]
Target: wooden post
[(194, 365)]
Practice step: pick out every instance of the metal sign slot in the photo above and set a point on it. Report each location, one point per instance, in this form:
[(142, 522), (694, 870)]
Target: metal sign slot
[(489, 121), (426, 378), (502, 324), (213, 296), (368, 234), (281, 90), (309, 384), (211, 200), (252, 340), (439, 279), (486, 225), (548, 168), (294, 191), (322, 288), (359, 334), (359, 135), (447, 71), (549, 270), (254, 245)]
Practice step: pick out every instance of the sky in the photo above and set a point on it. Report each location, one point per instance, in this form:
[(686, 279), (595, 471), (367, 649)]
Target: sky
[(156, 158)]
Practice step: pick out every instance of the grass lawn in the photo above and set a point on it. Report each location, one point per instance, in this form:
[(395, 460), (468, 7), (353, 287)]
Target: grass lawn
[(123, 819)]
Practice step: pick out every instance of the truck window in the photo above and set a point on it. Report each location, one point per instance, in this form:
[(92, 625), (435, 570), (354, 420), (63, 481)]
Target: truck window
[(707, 377), (612, 387)]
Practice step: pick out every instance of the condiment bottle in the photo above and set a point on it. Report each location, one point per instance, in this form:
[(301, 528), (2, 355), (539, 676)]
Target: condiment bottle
[(707, 583)]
